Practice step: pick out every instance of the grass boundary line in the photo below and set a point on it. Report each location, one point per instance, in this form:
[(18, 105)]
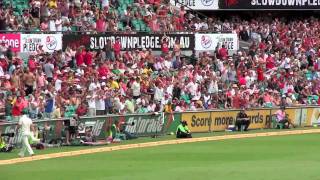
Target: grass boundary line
[(153, 144)]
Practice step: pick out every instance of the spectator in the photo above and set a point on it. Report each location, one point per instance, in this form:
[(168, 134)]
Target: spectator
[(136, 89), (117, 48), (82, 109), (91, 105), (223, 52), (49, 104), (29, 80), (100, 104), (17, 108), (48, 69)]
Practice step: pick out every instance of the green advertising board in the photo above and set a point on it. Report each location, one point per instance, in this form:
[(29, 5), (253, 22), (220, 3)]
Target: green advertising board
[(139, 125), (53, 129)]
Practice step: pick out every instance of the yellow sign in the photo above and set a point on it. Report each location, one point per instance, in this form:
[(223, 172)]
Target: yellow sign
[(312, 117), (198, 122), (222, 119)]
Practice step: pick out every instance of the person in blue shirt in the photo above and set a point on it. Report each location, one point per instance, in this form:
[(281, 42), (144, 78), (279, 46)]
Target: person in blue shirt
[(48, 108)]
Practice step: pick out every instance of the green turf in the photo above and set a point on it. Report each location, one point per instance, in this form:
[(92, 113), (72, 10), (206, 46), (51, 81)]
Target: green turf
[(293, 157), (14, 153)]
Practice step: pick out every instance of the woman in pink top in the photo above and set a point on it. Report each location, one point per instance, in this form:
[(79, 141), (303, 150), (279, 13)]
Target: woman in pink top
[(283, 119), (281, 115), (44, 25), (182, 12), (117, 47), (6, 83), (101, 23), (40, 80), (154, 23)]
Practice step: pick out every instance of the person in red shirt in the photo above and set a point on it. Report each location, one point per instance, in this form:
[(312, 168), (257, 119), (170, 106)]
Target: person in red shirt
[(242, 80), (260, 73), (270, 62), (82, 110), (127, 56), (223, 52), (17, 109), (88, 58), (32, 64), (101, 23), (165, 46), (262, 45), (79, 57), (177, 22), (117, 47), (236, 100), (103, 70)]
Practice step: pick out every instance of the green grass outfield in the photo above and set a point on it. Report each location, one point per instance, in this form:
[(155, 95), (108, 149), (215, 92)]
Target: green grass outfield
[(14, 153), (293, 157)]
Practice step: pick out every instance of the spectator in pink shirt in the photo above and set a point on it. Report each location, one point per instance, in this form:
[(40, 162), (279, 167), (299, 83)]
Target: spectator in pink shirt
[(101, 23), (117, 48), (282, 118)]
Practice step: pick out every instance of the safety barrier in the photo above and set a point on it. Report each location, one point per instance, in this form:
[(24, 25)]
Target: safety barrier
[(162, 123)]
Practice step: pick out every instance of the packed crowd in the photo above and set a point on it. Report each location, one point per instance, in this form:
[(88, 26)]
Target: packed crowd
[(96, 16), (280, 68)]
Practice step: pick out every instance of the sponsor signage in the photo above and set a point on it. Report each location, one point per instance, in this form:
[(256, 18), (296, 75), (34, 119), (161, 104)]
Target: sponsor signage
[(12, 40), (198, 121), (151, 124), (144, 125), (222, 119), (311, 116), (55, 128), (49, 42), (129, 41), (269, 4), (96, 127), (197, 4), (209, 42)]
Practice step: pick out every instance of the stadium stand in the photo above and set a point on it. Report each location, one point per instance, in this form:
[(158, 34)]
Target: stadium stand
[(280, 68)]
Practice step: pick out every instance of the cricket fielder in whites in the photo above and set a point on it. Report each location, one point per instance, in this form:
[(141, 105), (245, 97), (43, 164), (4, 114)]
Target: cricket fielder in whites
[(25, 123)]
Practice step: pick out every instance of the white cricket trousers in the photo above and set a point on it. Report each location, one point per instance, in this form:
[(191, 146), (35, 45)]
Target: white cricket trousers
[(25, 146)]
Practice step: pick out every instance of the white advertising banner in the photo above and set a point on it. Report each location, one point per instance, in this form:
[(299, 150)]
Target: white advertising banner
[(197, 4), (209, 42), (49, 42)]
